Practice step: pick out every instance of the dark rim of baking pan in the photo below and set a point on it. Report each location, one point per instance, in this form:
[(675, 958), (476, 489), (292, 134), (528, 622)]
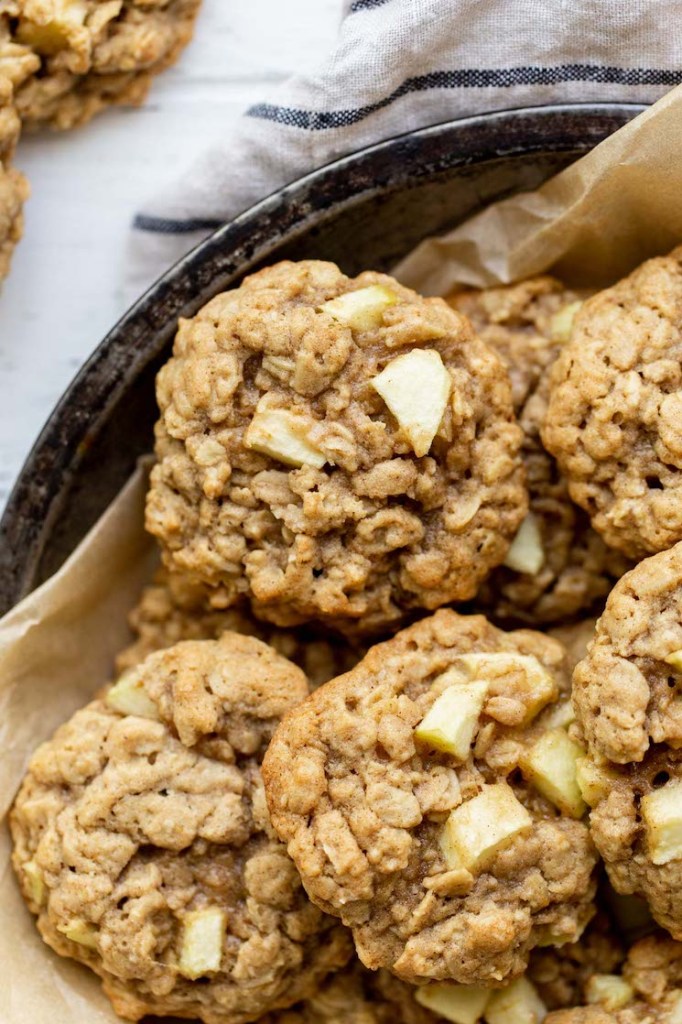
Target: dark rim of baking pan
[(389, 166)]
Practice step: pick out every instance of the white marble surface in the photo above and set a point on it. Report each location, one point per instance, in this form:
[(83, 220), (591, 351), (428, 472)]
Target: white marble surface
[(64, 291)]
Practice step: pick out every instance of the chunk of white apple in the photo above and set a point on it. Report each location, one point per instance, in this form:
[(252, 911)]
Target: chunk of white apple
[(595, 781), (201, 947), (610, 990), (361, 310), (477, 830), (35, 884), (561, 324), (416, 387), (526, 553), (283, 435), (82, 932), (520, 676), (518, 1003), (451, 723), (560, 716), (550, 766), (662, 814), (675, 659), (129, 697), (461, 1004)]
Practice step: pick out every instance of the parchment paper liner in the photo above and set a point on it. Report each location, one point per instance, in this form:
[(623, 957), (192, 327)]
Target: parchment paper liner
[(590, 224)]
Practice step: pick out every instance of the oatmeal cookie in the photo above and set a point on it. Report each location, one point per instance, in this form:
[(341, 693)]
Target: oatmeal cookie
[(428, 798), (13, 194), (561, 974), (626, 691), (142, 841), (13, 185), (613, 420), (91, 54), (173, 608), (335, 448), (634, 814), (556, 977), (526, 323), (357, 996), (647, 991), (558, 567), (9, 124), (626, 694)]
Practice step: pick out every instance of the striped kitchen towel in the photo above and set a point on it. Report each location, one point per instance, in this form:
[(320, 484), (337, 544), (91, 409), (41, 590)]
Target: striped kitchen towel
[(404, 64)]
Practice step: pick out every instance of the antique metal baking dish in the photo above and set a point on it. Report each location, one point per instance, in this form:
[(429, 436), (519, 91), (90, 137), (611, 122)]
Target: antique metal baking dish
[(363, 211)]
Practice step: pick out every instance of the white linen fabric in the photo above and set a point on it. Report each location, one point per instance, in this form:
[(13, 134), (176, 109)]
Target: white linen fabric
[(404, 64)]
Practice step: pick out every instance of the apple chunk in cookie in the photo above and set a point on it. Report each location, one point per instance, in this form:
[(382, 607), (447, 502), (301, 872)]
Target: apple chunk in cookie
[(627, 693), (143, 845), (419, 805), (334, 448)]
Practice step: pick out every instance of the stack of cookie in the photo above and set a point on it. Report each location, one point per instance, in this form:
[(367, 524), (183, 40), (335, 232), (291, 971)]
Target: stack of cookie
[(316, 791), (61, 61)]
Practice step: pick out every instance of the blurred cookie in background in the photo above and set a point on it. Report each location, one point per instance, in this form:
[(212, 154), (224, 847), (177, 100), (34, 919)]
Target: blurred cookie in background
[(91, 54), (14, 188)]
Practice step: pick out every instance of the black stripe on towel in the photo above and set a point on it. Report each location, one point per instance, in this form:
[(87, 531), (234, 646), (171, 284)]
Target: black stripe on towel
[(170, 226), (366, 5), (467, 78)]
